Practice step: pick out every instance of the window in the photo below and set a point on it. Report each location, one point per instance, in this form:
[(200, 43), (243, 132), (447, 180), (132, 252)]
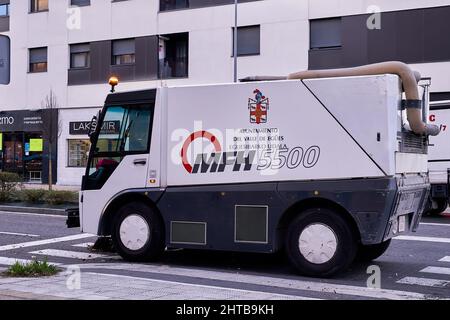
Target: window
[(165, 5), (325, 33), (123, 51), (78, 153), (39, 5), (248, 40), (38, 60), (4, 10), (173, 55), (80, 55), (80, 3), (133, 137)]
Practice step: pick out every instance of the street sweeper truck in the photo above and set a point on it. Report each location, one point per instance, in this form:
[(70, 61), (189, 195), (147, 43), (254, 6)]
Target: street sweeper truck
[(327, 165)]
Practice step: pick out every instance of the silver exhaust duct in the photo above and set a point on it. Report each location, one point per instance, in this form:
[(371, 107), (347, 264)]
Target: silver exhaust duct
[(409, 79)]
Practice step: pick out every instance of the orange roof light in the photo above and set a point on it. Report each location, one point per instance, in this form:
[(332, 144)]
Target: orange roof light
[(113, 82)]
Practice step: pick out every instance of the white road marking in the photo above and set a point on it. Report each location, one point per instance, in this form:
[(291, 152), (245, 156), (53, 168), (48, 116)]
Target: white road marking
[(425, 282), (438, 270), (426, 239), (19, 234), (46, 241), (178, 284), (10, 261), (69, 254), (35, 214), (83, 245), (322, 287), (445, 259), (435, 224)]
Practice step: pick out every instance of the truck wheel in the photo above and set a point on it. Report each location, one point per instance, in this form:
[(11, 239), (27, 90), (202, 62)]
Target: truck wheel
[(320, 243), (371, 252), (138, 232), (442, 205)]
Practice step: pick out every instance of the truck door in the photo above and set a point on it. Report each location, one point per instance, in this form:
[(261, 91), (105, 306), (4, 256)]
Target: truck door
[(118, 159)]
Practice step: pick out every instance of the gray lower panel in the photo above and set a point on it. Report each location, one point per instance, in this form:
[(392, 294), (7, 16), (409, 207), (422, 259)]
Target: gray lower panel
[(370, 203), (186, 232)]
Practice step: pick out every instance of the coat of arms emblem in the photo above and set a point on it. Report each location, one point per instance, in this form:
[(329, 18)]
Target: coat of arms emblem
[(258, 107)]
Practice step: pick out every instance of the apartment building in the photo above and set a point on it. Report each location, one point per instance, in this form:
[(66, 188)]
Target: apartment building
[(72, 47)]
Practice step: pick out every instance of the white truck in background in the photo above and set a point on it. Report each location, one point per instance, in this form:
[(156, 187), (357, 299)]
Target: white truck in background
[(326, 169), (439, 158)]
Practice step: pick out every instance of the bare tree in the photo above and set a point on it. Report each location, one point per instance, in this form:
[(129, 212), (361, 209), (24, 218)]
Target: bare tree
[(51, 129)]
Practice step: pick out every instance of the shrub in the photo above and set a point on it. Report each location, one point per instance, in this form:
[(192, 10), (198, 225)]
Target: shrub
[(33, 195), (60, 197), (8, 184)]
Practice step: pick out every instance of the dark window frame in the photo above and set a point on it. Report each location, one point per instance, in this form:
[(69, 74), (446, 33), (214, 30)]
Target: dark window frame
[(257, 52), (6, 5), (31, 65), (87, 53), (115, 56), (35, 8)]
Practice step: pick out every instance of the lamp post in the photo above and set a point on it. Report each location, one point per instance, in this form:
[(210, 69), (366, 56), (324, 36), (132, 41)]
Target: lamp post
[(235, 39)]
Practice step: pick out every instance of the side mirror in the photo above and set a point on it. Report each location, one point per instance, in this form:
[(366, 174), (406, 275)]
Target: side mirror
[(92, 127)]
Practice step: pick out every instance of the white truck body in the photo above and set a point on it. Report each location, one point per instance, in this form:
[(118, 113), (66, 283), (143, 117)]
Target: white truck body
[(217, 152)]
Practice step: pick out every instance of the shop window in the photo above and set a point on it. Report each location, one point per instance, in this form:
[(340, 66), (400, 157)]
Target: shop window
[(123, 51), (39, 5), (173, 56), (38, 60), (78, 153)]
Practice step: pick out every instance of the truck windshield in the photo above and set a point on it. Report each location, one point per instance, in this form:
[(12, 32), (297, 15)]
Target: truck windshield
[(123, 130)]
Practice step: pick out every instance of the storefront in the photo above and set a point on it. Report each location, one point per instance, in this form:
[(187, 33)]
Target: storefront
[(74, 144), (25, 139)]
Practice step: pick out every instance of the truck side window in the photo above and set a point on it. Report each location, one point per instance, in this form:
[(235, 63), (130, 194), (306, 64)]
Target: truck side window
[(125, 130)]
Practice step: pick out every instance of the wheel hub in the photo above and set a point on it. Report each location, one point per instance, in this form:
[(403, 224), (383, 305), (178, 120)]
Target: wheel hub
[(318, 243), (134, 232)]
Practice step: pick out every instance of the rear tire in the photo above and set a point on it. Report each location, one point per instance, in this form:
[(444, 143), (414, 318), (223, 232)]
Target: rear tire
[(367, 253), (138, 232), (442, 204), (320, 243)]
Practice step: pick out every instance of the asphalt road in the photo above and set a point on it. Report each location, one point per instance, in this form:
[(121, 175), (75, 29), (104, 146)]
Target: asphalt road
[(416, 267)]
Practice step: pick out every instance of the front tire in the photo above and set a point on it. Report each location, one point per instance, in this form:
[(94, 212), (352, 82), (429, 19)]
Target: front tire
[(320, 243), (138, 232), (367, 253)]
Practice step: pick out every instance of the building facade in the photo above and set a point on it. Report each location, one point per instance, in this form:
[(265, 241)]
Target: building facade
[(71, 47)]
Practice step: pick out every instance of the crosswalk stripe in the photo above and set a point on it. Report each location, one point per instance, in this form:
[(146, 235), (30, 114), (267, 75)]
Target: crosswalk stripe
[(19, 234), (69, 254), (190, 285), (83, 245), (438, 270), (302, 285), (435, 224), (45, 241), (425, 282), (445, 259), (426, 239), (10, 261)]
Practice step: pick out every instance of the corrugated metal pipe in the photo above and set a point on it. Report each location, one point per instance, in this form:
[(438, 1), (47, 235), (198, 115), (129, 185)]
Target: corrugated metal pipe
[(409, 79)]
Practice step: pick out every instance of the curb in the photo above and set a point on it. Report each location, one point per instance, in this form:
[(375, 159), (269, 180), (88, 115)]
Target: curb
[(37, 210)]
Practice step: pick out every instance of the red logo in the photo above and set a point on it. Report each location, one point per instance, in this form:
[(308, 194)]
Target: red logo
[(192, 137), (258, 107)]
